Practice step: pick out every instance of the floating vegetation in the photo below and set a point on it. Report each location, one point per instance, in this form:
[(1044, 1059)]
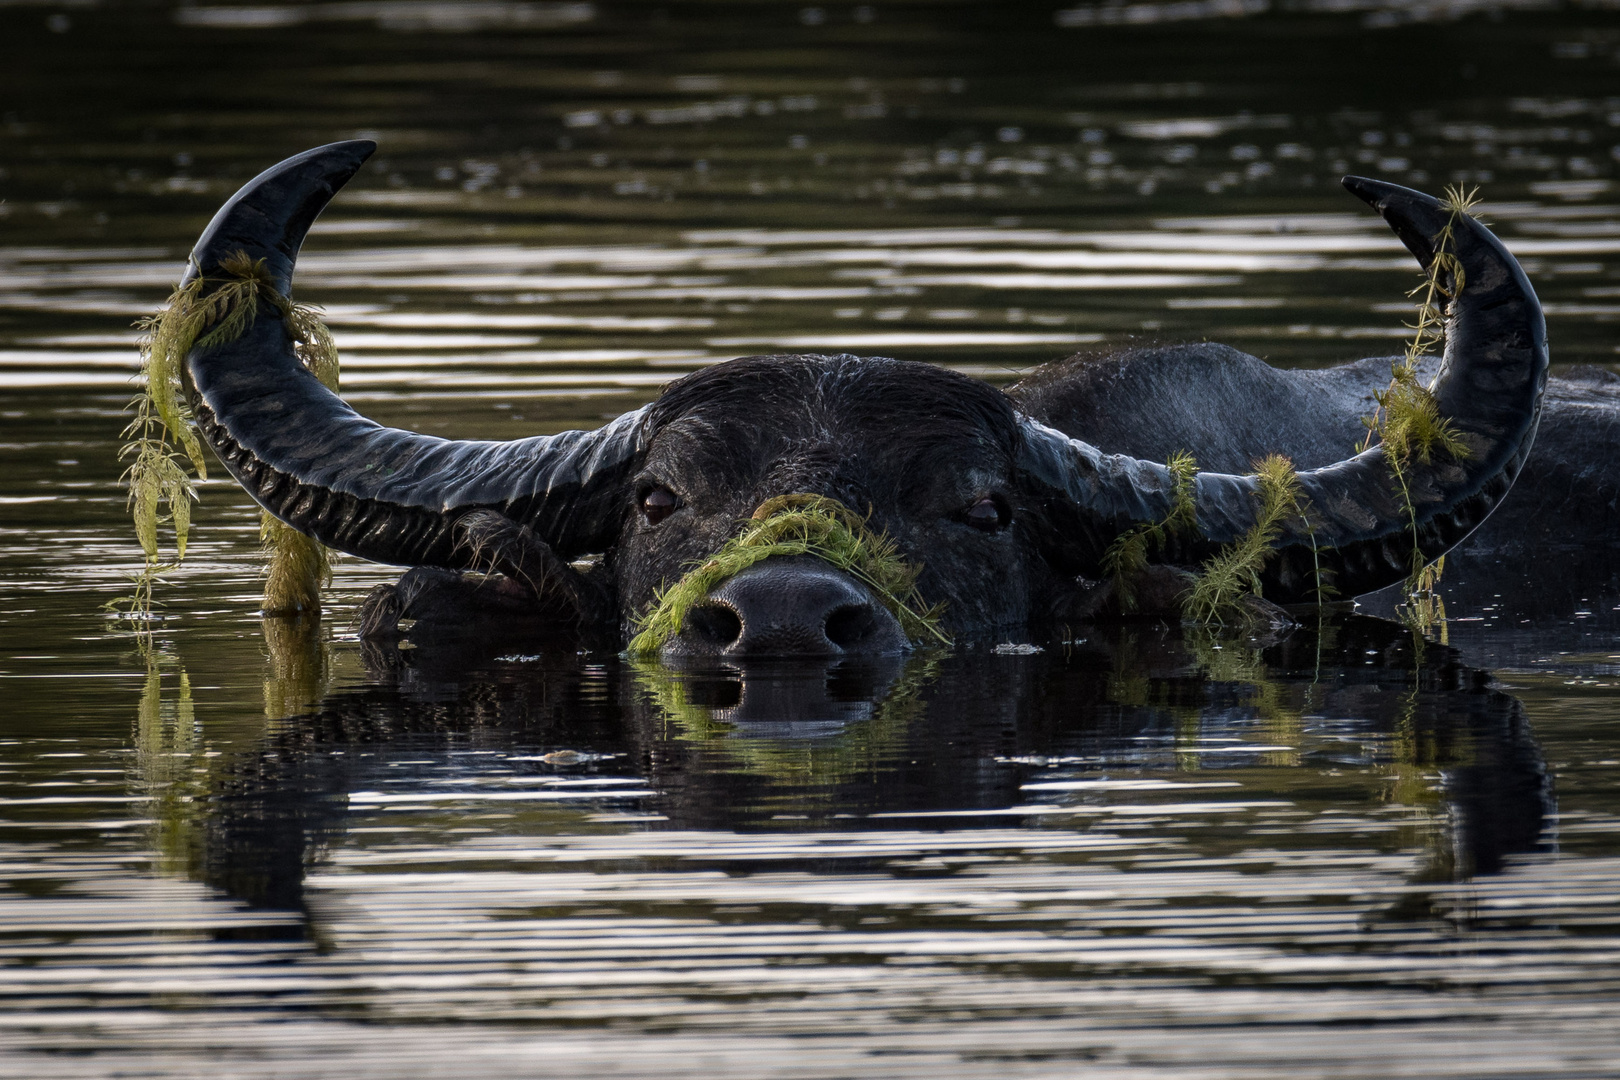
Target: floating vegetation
[(162, 439), (1127, 557), (1233, 574), (1407, 421), (799, 525)]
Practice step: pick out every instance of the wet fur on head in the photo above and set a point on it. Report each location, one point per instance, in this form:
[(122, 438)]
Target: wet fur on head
[(807, 403), (909, 443)]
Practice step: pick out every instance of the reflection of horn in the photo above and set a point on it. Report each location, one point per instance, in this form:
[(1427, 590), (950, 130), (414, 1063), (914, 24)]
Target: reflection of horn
[(1360, 526), (380, 493)]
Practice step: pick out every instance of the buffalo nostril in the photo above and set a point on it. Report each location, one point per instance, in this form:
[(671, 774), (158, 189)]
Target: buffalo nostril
[(715, 624), (850, 625)]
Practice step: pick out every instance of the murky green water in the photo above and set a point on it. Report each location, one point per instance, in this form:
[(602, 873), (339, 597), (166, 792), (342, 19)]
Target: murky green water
[(260, 849)]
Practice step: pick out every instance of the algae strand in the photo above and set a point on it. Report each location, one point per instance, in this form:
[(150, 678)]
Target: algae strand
[(1234, 572), (1128, 555), (162, 439), (1406, 420)]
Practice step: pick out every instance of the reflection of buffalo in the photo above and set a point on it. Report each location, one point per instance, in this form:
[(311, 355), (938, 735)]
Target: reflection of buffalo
[(735, 747), (995, 495)]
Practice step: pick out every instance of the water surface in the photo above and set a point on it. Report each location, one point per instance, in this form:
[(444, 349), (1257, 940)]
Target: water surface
[(261, 848)]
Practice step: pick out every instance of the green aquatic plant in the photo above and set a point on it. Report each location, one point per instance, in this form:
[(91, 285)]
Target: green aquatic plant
[(1127, 557), (798, 525), (1406, 420), (162, 439), (297, 567), (1234, 572), (1323, 593), (1223, 581)]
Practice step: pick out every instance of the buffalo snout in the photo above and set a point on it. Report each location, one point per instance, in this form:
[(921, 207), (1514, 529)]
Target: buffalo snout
[(789, 607)]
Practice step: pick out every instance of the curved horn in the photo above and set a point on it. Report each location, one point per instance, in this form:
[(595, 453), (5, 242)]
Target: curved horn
[(1360, 528), (381, 493)]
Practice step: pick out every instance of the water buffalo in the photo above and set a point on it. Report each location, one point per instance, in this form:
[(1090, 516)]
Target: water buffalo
[(1007, 500)]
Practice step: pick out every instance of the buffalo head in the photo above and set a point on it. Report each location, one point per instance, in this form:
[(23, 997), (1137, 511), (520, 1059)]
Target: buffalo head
[(1006, 517)]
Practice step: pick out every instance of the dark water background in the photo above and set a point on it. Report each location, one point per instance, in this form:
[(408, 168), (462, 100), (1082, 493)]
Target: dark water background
[(259, 849)]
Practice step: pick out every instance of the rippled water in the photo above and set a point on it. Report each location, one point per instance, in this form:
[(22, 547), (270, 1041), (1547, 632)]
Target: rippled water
[(261, 849)]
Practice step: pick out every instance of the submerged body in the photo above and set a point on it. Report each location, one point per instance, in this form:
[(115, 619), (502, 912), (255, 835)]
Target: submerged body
[(1002, 508)]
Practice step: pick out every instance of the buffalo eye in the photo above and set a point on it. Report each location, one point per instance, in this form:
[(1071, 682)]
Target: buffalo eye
[(658, 504), (988, 514)]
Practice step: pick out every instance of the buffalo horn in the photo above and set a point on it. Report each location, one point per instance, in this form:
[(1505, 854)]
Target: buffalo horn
[(381, 493), (1359, 529)]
